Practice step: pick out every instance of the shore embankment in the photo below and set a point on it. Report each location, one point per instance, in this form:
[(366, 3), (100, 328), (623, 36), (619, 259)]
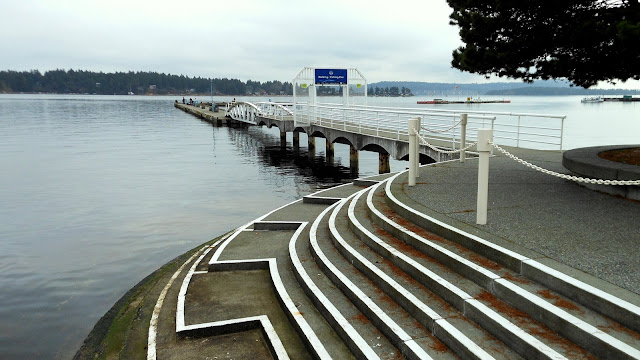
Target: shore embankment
[(122, 331)]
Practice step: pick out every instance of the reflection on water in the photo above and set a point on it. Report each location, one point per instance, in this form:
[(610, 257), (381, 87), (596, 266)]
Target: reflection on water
[(265, 144)]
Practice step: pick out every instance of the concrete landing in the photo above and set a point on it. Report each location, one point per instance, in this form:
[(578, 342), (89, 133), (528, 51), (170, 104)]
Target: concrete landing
[(558, 219)]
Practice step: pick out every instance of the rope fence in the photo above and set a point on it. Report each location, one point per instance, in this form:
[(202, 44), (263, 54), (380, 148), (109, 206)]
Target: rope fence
[(564, 176), (432, 147), (484, 148), (441, 131)]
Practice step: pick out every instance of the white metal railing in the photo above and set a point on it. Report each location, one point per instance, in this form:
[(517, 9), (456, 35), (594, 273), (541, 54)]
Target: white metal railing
[(391, 123), (538, 131), (438, 126), (243, 111), (247, 112), (278, 111)]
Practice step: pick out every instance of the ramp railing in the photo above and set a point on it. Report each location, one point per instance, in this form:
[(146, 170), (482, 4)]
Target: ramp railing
[(243, 111), (529, 130), (277, 111), (439, 127)]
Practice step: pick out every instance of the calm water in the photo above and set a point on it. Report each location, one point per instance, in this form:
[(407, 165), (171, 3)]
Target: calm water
[(97, 192)]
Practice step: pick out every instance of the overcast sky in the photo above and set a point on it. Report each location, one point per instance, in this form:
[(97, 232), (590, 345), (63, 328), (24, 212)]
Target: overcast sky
[(402, 40)]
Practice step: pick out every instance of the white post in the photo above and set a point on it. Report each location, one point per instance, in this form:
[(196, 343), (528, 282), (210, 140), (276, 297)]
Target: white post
[(484, 151), (413, 144), (463, 136), (417, 149), (295, 115)]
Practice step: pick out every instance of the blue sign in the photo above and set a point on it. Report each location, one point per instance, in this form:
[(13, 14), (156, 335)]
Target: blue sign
[(331, 76)]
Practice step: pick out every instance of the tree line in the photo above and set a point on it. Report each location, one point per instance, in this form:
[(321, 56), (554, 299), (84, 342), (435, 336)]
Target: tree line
[(389, 91), (120, 83)]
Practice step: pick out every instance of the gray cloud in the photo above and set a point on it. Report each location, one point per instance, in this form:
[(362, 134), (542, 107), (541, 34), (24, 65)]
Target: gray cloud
[(245, 39)]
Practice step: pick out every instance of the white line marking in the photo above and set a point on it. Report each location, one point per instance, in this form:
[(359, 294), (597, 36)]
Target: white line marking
[(153, 324), (606, 297), (451, 255), (281, 292), (218, 252), (585, 287), (480, 240), (399, 332), (432, 314), (581, 325), (335, 313), (265, 324), (532, 341)]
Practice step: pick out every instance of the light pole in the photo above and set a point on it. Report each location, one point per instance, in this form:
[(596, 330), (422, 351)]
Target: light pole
[(213, 106)]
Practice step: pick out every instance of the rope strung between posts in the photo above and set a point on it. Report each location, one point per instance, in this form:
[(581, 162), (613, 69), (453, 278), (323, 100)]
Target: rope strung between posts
[(442, 131), (565, 176), (425, 142)]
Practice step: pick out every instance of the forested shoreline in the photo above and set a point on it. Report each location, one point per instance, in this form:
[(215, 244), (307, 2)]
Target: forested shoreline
[(153, 83), (122, 83)]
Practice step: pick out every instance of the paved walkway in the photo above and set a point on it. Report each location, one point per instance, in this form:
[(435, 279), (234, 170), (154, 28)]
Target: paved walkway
[(584, 229)]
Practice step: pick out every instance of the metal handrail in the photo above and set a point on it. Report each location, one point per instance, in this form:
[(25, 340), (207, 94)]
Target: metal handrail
[(456, 111), (281, 106), (391, 122)]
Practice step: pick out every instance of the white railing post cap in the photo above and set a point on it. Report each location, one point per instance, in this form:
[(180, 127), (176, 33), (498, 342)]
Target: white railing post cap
[(484, 136), (413, 123)]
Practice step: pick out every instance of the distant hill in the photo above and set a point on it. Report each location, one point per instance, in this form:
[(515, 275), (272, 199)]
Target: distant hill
[(561, 91), (429, 88), (542, 87)]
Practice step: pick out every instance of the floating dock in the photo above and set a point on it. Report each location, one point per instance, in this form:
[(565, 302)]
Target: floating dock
[(624, 98), (468, 101)]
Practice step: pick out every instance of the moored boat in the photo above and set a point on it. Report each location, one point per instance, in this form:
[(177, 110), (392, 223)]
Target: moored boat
[(592, 99)]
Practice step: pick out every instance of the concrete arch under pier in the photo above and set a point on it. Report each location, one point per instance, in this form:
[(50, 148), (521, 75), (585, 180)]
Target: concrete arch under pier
[(398, 149), (385, 147)]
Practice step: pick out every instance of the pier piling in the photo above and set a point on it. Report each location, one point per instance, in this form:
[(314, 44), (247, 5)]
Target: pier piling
[(383, 163), (353, 159)]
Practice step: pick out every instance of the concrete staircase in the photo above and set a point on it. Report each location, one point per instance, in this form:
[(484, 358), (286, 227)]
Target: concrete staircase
[(360, 271), (365, 271), (390, 288)]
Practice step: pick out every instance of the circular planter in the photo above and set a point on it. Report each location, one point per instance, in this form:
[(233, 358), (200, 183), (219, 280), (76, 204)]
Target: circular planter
[(586, 162)]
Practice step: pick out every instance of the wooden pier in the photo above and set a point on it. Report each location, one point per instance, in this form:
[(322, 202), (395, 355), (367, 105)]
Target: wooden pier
[(624, 98), (468, 101), (204, 111)]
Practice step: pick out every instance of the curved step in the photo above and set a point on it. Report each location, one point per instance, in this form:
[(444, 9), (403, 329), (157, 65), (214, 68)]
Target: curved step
[(479, 306), (445, 323), (322, 295), (397, 325), (579, 326), (614, 307)]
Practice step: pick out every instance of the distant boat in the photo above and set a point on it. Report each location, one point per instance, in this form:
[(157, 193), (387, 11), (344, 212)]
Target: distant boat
[(130, 92), (592, 99)]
